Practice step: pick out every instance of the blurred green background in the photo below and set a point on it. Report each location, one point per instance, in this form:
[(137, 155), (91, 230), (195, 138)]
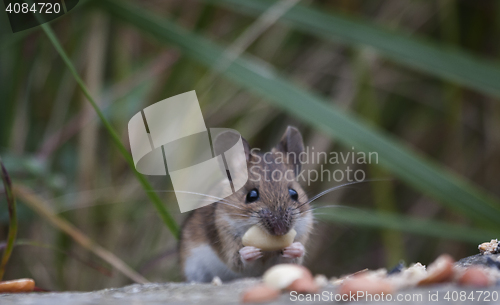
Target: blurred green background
[(418, 82)]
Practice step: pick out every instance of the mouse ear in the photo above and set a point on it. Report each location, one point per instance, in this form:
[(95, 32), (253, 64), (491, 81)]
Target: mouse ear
[(246, 146), (292, 145), (226, 139)]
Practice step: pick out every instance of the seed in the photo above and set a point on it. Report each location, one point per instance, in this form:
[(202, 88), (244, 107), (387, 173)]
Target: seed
[(365, 284), (283, 275), (440, 271), (303, 285), (259, 238), (21, 285), (474, 276), (260, 294)]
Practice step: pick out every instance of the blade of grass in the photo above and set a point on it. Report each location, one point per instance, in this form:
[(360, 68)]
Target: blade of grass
[(153, 196), (254, 31), (369, 106), (11, 202), (392, 221), (113, 93), (38, 205), (419, 172), (440, 60)]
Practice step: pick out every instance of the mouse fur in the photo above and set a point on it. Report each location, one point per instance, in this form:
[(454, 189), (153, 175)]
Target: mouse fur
[(210, 243)]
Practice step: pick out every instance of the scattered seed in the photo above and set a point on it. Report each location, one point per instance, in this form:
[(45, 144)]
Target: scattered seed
[(366, 284), (260, 294), (21, 285), (440, 271), (303, 285), (474, 276), (216, 281), (281, 276)]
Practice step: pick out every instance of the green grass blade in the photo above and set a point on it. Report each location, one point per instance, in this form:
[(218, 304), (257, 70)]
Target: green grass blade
[(11, 204), (385, 220), (417, 171), (153, 196), (446, 62)]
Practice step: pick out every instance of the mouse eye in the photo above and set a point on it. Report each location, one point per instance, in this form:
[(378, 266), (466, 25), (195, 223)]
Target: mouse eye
[(252, 196), (293, 194)]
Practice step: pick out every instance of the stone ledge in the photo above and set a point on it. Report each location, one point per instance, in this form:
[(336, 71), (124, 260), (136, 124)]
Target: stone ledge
[(208, 294)]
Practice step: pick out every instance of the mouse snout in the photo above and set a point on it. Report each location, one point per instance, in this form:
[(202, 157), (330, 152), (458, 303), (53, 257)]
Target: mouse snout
[(277, 222)]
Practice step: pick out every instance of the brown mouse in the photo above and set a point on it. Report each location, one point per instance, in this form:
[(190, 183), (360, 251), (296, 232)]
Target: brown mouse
[(211, 236)]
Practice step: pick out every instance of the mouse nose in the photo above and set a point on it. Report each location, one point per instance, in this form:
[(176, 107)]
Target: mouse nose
[(280, 228), (276, 222)]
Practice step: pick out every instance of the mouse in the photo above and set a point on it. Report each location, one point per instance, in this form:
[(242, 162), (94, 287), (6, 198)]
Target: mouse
[(211, 236)]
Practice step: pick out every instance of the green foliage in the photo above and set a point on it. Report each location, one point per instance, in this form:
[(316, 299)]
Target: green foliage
[(440, 60), (391, 221), (160, 206), (414, 81), (421, 173)]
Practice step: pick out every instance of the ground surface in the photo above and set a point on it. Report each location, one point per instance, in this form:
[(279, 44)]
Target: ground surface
[(180, 293), (230, 293)]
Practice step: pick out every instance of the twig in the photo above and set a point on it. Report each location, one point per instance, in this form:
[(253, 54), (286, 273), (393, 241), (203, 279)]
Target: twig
[(11, 202), (254, 31), (99, 268), (160, 207), (38, 205), (78, 121)]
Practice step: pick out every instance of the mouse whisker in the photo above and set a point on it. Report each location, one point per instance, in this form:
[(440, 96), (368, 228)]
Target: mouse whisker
[(222, 200), (254, 216), (225, 202), (320, 214), (233, 214), (335, 188), (230, 204), (323, 207), (193, 193)]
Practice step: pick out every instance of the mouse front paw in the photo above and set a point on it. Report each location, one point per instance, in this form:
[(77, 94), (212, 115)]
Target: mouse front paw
[(250, 254), (295, 250)]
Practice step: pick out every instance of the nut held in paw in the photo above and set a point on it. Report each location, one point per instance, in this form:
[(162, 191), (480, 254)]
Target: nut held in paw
[(259, 238)]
